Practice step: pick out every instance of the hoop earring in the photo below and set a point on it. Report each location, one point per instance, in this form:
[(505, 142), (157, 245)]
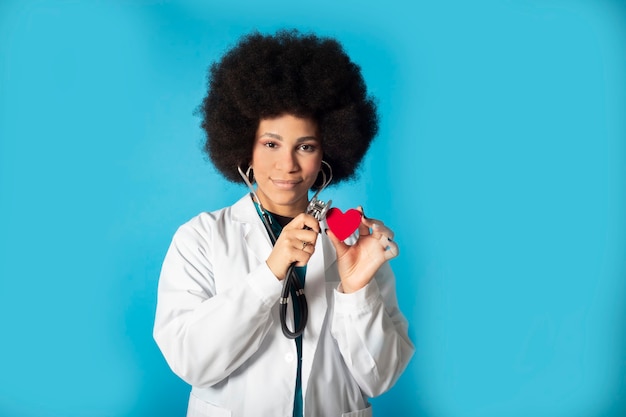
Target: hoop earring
[(325, 179), (250, 174)]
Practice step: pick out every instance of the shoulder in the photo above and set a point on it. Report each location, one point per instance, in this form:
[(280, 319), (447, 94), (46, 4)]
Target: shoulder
[(204, 225)]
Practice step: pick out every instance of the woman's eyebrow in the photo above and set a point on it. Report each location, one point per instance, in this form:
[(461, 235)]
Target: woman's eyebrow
[(280, 138), (272, 135), (305, 138)]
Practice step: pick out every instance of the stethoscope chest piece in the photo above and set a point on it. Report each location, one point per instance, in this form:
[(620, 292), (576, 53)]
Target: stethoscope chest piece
[(318, 208)]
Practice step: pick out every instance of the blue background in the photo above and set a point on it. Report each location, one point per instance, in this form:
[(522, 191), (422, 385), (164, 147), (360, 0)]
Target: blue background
[(501, 164)]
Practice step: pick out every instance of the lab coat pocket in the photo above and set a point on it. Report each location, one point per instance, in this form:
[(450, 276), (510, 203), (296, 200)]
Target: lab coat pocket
[(199, 408), (366, 412)]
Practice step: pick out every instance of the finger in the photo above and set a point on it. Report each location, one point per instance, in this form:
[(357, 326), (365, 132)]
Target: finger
[(303, 260), (303, 235), (298, 235), (307, 247), (370, 222), (364, 229), (379, 229), (340, 247), (391, 248), (302, 221), (301, 253)]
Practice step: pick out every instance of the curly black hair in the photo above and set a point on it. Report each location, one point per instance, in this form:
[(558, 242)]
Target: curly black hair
[(265, 76)]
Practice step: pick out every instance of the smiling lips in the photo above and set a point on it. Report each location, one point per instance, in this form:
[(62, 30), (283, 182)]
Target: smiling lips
[(286, 184)]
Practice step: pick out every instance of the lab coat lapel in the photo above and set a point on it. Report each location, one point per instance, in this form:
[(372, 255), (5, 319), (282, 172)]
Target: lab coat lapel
[(315, 289), (256, 237)]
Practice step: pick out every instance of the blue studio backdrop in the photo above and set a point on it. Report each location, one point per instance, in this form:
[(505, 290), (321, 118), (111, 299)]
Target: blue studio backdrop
[(500, 164)]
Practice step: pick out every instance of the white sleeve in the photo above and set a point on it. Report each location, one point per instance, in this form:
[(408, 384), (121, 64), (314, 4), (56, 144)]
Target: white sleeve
[(371, 333), (205, 336)]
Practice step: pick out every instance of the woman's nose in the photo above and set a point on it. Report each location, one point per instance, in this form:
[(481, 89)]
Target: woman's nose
[(288, 162)]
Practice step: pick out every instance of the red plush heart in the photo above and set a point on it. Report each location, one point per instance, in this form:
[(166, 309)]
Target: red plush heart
[(343, 224)]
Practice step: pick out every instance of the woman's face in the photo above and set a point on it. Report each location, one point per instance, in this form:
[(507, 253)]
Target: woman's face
[(286, 159)]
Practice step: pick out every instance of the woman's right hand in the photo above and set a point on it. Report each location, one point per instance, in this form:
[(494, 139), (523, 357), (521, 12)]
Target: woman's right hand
[(295, 244)]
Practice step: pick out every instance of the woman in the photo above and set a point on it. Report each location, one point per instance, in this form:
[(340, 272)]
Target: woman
[(288, 111)]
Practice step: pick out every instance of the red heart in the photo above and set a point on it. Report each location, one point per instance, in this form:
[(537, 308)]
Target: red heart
[(343, 224)]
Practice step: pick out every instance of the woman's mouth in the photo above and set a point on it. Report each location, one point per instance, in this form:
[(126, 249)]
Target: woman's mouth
[(286, 184)]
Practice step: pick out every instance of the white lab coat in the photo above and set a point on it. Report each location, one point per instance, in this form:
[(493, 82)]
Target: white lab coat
[(218, 327)]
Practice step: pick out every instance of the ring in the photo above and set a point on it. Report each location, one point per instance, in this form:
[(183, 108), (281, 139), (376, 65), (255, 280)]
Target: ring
[(304, 245)]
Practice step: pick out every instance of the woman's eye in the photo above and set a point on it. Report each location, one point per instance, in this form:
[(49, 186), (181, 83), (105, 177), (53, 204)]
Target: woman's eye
[(269, 145), (307, 148)]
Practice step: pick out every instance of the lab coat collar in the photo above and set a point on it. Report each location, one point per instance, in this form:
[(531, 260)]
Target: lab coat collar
[(255, 236)]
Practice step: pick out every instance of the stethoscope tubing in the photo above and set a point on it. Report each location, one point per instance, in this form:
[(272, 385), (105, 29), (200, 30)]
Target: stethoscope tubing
[(291, 286)]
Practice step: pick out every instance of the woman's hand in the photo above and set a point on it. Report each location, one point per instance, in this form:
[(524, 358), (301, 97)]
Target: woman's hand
[(295, 244), (358, 263)]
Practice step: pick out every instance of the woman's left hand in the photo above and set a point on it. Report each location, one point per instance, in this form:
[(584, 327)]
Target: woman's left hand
[(358, 263)]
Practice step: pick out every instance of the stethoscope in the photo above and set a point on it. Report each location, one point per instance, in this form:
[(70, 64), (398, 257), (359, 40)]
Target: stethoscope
[(291, 283)]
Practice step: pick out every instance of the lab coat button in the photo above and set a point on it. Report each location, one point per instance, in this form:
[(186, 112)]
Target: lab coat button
[(289, 358)]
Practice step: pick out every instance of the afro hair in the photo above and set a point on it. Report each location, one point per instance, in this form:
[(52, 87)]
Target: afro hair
[(265, 76)]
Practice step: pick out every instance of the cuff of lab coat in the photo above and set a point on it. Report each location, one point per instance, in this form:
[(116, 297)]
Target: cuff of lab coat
[(265, 284), (360, 300)]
